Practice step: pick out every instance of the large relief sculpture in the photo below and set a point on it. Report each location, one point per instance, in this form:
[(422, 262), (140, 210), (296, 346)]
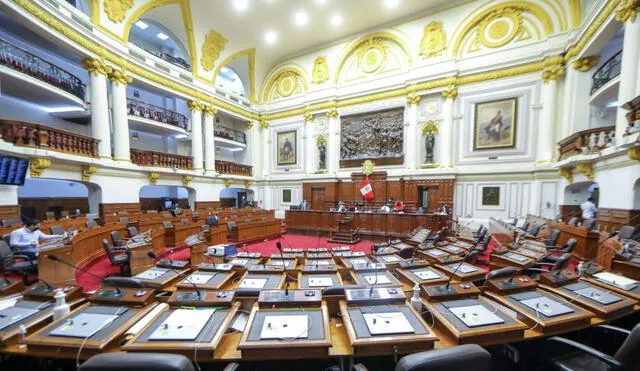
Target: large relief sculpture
[(372, 136)]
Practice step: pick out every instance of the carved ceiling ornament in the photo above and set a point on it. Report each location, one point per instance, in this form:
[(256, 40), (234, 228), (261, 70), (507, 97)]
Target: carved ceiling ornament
[(116, 9), (501, 26), (368, 167), (287, 84), (586, 63), (372, 55), (213, 45), (628, 10), (434, 40), (430, 126), (320, 71), (38, 166)]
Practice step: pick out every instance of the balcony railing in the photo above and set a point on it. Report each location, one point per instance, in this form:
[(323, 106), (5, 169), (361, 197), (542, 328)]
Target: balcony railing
[(155, 113), (143, 157), (607, 72), (21, 60), (633, 116), (586, 141), (26, 134), (226, 167), (228, 133), (176, 61)]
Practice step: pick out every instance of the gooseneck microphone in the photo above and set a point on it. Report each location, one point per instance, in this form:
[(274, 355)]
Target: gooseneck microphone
[(152, 255), (57, 259), (446, 289)]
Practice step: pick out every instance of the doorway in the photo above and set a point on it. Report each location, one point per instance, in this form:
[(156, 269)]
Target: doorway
[(317, 199), (423, 198)]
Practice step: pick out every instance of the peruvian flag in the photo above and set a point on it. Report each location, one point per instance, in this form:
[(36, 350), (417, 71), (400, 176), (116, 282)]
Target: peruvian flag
[(367, 190)]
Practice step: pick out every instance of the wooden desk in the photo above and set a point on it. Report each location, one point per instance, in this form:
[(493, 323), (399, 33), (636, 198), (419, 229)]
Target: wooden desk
[(175, 236), (605, 311), (430, 276), (255, 230), (627, 268), (587, 240)]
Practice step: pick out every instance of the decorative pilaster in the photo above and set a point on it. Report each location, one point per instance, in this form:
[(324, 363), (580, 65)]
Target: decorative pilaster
[(586, 63), (586, 169), (446, 129), (119, 80), (547, 123), (411, 150), (87, 172), (266, 148), (627, 13), (98, 72), (566, 173), (209, 139), (307, 143), (196, 108), (38, 166), (254, 145), (333, 142)]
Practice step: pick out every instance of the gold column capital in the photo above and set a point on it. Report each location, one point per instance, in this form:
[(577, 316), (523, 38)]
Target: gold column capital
[(586, 169), (552, 73), (634, 153), (119, 76), (153, 177), (628, 10), (333, 113), (248, 124), (87, 172), (38, 166), (586, 63), (228, 183), (450, 93), (195, 105), (413, 98), (566, 173), (96, 66), (264, 124), (308, 116), (186, 179), (209, 110)]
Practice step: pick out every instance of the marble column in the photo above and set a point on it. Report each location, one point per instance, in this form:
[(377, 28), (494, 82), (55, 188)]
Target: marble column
[(267, 148), (333, 141), (254, 144), (445, 136), (196, 133), (209, 139), (100, 130), (412, 137), (547, 122), (628, 14), (577, 91), (119, 80), (309, 144)]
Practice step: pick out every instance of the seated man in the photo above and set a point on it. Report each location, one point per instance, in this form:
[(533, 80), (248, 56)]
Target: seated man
[(27, 239), (342, 207), (212, 220), (177, 211)]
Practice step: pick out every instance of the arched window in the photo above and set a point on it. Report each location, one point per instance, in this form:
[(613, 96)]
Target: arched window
[(158, 40), (229, 80)]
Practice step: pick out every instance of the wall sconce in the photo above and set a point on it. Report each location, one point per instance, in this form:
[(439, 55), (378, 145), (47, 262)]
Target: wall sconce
[(134, 136)]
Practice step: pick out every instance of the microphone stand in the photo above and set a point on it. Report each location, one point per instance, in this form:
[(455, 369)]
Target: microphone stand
[(57, 259), (152, 255), (447, 288)]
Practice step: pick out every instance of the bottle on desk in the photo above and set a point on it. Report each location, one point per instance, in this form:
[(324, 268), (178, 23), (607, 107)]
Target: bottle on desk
[(61, 308), (580, 269), (415, 299)]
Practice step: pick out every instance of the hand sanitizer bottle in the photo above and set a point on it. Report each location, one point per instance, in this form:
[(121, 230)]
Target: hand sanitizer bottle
[(415, 299), (61, 308), (580, 269)]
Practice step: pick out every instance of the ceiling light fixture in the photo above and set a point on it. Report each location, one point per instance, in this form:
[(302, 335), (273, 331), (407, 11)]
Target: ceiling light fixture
[(612, 104), (162, 36), (61, 109), (271, 37), (241, 5), (181, 136), (301, 18), (141, 25), (336, 20), (391, 3)]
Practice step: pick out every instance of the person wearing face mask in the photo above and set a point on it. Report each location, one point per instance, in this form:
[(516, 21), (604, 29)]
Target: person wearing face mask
[(27, 239)]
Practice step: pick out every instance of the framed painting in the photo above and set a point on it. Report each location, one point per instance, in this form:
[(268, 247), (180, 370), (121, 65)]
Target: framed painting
[(490, 196), (286, 144), (286, 196), (495, 124)]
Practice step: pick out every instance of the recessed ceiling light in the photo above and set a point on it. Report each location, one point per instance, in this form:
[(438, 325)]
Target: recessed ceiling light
[(271, 37), (241, 5), (301, 18), (142, 25), (391, 3), (613, 104), (336, 20), (162, 36)]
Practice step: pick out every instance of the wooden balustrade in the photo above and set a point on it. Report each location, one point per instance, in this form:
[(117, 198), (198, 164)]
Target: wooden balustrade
[(633, 116), (26, 134), (226, 167), (160, 159), (586, 141)]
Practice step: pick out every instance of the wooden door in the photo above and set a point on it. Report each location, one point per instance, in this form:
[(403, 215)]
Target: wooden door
[(317, 199)]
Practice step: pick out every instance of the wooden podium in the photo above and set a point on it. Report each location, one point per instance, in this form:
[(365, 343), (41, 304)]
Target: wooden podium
[(345, 232)]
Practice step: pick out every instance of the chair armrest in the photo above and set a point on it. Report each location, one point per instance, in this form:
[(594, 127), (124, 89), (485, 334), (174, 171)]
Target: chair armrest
[(119, 249), (360, 367), (619, 330), (539, 270), (24, 257), (581, 347)]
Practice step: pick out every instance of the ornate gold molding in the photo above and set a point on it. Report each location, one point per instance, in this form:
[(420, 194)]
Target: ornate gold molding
[(228, 183), (96, 66), (208, 110), (434, 40), (119, 76), (586, 169), (586, 63), (566, 173), (195, 105), (247, 183), (153, 177), (320, 72), (87, 171), (248, 124), (214, 43), (321, 140), (368, 167), (450, 93), (413, 98), (308, 116), (634, 153), (38, 166), (116, 10), (332, 113), (628, 11), (552, 73), (264, 124), (430, 126), (186, 179)]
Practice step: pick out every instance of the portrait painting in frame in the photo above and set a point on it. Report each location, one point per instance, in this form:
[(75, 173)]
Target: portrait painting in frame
[(286, 144), (490, 196), (495, 124)]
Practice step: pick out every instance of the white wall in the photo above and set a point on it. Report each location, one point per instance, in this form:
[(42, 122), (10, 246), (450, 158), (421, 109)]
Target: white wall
[(8, 195), (577, 193), (15, 109), (50, 188), (157, 191), (617, 186)]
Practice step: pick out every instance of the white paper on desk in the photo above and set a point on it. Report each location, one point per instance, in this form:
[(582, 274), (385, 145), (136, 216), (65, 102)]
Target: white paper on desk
[(435, 252), (476, 315), (285, 327), (146, 319), (387, 323), (464, 268), (239, 262), (516, 257), (360, 261), (285, 263), (253, 283), (379, 279), (83, 325), (182, 324), (151, 274), (616, 280), (426, 275), (391, 258), (198, 278), (320, 281)]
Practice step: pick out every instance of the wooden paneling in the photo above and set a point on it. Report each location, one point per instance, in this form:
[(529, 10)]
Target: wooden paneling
[(203, 205), (156, 203), (227, 202), (131, 208), (610, 220), (9, 212), (40, 206)]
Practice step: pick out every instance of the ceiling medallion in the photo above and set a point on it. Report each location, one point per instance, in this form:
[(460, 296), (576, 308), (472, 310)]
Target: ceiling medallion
[(372, 55), (434, 40), (500, 27), (214, 43), (286, 83), (116, 9)]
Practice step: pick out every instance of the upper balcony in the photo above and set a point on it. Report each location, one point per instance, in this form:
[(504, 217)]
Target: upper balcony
[(225, 134), (586, 142), (31, 78), (606, 81), (155, 119)]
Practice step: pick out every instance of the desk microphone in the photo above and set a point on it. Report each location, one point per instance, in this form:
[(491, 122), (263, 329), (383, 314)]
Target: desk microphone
[(57, 259), (152, 255), (286, 289), (279, 247), (446, 289)]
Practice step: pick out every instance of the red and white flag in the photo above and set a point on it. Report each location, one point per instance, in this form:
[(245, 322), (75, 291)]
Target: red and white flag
[(367, 190)]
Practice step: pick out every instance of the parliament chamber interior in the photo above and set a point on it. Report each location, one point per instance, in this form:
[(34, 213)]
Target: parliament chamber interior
[(324, 185)]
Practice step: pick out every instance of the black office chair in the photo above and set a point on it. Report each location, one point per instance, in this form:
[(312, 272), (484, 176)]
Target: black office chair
[(533, 232), (122, 260), (137, 362), (590, 224), (629, 232), (17, 263), (461, 357), (115, 238), (404, 251), (582, 357), (133, 231), (91, 224), (56, 229), (122, 282), (573, 221), (7, 238), (567, 248), (553, 238), (502, 272), (535, 270), (471, 256), (11, 222), (525, 226)]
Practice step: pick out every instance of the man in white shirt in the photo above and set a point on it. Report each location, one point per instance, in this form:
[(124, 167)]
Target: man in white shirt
[(27, 239), (588, 209)]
